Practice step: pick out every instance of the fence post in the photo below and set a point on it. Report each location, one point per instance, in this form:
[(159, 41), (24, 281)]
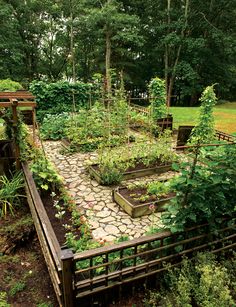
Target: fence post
[(67, 277)]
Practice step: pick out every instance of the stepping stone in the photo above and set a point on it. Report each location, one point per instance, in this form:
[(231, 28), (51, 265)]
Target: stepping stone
[(112, 229), (103, 214)]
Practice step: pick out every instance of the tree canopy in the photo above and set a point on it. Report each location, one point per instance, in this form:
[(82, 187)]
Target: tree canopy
[(189, 43)]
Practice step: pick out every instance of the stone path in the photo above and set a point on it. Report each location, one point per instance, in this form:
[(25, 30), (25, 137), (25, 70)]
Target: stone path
[(107, 220)]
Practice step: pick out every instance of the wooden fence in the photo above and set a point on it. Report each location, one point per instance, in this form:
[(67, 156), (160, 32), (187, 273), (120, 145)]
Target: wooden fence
[(79, 277)]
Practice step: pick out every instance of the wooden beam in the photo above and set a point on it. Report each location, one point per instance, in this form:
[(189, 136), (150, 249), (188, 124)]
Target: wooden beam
[(17, 95), (8, 104), (14, 103)]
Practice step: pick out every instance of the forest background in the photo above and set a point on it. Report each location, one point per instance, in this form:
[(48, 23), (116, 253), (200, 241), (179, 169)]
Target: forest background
[(189, 43)]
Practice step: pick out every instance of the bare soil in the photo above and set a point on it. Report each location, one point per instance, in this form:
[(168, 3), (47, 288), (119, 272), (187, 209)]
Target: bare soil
[(133, 196), (24, 276)]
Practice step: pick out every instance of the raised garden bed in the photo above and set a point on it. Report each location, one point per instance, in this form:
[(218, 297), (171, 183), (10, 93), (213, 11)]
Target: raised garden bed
[(95, 143), (138, 171), (136, 207)]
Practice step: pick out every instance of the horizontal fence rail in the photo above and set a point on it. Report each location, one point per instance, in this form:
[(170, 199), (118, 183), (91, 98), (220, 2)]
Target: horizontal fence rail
[(104, 268)]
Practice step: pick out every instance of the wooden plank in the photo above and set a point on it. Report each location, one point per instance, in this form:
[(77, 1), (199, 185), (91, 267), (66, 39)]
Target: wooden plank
[(142, 267), (122, 245), (132, 174), (47, 227), (67, 277), (17, 95), (138, 210), (53, 271), (21, 104)]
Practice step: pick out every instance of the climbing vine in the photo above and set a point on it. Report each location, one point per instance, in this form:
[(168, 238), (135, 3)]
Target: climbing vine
[(204, 131), (157, 91)]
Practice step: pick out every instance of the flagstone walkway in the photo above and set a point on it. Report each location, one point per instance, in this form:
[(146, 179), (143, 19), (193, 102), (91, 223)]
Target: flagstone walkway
[(107, 220)]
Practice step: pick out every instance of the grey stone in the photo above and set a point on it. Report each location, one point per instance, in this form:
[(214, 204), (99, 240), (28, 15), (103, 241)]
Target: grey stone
[(112, 229), (103, 214)]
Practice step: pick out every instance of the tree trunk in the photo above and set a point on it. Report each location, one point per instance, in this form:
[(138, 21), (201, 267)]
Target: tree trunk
[(167, 54), (173, 74)]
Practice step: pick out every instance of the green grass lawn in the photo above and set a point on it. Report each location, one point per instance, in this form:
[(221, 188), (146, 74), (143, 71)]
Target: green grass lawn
[(225, 116)]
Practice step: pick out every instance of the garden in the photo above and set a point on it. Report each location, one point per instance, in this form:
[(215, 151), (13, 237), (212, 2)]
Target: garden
[(112, 195)]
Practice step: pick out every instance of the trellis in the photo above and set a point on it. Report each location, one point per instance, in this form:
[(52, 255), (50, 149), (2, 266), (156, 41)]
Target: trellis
[(14, 100)]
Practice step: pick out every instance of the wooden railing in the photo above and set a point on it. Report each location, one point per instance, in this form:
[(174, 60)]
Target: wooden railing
[(222, 136), (53, 254), (139, 109), (104, 268), (80, 276)]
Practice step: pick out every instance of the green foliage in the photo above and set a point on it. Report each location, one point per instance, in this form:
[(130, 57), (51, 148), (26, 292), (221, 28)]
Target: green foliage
[(48, 304), (157, 91), (45, 175), (204, 131), (113, 162), (53, 126), (200, 282), (57, 97), (23, 140), (16, 288), (204, 193), (89, 129), (158, 188), (9, 85), (10, 196), (3, 300)]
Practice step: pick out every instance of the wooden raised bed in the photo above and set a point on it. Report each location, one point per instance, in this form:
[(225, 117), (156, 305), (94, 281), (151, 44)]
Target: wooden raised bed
[(94, 172), (135, 210)]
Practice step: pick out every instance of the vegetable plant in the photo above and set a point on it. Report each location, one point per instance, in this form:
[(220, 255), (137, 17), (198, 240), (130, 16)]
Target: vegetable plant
[(204, 193), (113, 162), (45, 175), (53, 126)]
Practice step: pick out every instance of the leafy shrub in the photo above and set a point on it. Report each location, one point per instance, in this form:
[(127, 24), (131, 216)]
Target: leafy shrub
[(56, 98), (53, 126), (9, 85), (204, 193)]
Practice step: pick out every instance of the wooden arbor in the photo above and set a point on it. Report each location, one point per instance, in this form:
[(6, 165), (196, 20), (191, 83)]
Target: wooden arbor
[(14, 100)]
